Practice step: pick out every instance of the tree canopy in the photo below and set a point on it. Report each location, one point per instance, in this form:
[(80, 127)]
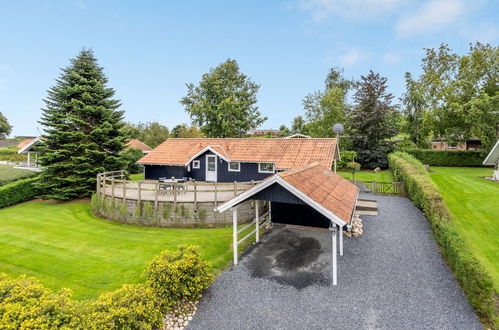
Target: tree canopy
[(224, 102), (373, 121), (151, 133), (82, 127), (460, 94), (5, 127), (325, 108)]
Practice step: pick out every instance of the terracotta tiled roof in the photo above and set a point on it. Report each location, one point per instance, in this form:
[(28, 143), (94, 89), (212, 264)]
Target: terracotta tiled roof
[(25, 142), (134, 143), (325, 187), (285, 153)]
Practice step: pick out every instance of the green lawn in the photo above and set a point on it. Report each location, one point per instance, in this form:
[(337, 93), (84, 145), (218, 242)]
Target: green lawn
[(64, 245), (474, 202), (383, 176), (9, 173), (137, 177)]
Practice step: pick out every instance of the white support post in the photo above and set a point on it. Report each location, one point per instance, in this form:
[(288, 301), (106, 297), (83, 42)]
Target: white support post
[(333, 261), (257, 223), (29, 158), (335, 166), (341, 240), (234, 233)]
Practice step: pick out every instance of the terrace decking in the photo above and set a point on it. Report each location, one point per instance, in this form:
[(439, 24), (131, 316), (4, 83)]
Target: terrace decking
[(194, 191)]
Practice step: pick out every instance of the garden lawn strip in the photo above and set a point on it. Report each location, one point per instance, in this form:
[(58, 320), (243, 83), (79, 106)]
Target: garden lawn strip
[(64, 245), (474, 203)]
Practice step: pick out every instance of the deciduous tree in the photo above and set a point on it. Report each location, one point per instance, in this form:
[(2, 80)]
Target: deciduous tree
[(325, 108), (5, 127), (224, 102)]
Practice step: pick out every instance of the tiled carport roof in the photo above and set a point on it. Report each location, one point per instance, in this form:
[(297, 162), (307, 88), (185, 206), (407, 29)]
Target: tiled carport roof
[(285, 153), (317, 186)]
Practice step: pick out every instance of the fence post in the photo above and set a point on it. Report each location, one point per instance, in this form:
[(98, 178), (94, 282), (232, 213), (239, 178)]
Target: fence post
[(174, 187), (375, 186), (124, 191), (139, 192), (112, 190), (104, 185), (156, 192), (235, 189), (195, 195), (216, 204)]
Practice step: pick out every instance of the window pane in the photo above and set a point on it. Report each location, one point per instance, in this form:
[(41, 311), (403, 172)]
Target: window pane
[(234, 166), (266, 167), (211, 163)]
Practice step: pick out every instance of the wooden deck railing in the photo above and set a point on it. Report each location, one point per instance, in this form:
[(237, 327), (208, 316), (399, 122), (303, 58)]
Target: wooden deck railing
[(113, 184)]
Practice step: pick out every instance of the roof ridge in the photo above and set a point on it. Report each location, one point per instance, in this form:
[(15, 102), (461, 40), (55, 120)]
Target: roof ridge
[(298, 169)]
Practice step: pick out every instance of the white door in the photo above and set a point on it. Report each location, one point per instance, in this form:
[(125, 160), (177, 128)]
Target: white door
[(211, 168)]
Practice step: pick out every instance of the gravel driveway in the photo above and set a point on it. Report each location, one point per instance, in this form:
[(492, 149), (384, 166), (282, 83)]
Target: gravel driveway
[(392, 277)]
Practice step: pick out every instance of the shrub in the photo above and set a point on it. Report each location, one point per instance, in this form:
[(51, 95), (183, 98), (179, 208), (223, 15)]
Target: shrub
[(26, 304), (201, 213), (148, 211), (470, 158), (371, 159), (171, 277), (347, 156), (130, 307), (469, 272), (18, 191), (167, 210), (178, 275)]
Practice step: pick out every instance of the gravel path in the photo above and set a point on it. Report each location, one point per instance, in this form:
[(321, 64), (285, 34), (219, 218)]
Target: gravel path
[(392, 277)]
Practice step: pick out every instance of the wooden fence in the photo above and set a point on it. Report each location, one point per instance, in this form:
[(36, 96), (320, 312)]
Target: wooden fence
[(385, 188), (114, 184)]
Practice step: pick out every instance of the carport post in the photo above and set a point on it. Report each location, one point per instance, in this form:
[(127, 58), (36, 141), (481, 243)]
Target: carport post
[(257, 233), (333, 254), (234, 233), (341, 240)]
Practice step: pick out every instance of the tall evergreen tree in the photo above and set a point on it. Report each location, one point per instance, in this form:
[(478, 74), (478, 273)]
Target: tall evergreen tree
[(82, 130), (373, 121)]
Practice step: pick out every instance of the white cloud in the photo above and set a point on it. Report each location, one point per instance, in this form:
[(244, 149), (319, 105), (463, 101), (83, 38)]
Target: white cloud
[(348, 58), (321, 10), (431, 16)]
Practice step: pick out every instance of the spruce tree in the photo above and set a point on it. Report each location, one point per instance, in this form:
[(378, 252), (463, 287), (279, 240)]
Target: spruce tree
[(82, 131)]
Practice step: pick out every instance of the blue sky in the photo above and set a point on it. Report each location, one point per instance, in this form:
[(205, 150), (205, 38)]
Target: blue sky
[(151, 49)]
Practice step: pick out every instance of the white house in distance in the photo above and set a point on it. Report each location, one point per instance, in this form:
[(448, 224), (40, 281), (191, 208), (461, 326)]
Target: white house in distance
[(493, 160), (29, 148)]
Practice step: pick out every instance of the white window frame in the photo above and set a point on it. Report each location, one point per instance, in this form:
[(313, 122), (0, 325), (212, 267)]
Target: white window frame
[(196, 164), (262, 171), (238, 166)]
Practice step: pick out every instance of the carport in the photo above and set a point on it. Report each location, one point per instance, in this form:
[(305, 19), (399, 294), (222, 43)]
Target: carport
[(312, 196)]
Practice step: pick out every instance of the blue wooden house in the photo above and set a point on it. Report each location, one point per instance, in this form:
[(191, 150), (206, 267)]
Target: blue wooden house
[(228, 160)]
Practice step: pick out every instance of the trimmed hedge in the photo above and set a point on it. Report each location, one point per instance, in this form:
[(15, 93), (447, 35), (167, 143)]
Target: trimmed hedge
[(171, 277), (469, 272), (18, 191), (457, 158)]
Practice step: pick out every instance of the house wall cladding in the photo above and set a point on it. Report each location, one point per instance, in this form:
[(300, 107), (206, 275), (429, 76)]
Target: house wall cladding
[(248, 171), (179, 214)]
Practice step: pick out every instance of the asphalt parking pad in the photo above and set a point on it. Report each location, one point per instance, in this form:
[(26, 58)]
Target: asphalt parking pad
[(293, 257)]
